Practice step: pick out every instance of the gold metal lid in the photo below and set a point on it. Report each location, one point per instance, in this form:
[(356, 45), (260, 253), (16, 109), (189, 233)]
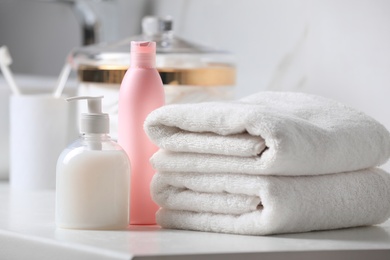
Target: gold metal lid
[(218, 75)]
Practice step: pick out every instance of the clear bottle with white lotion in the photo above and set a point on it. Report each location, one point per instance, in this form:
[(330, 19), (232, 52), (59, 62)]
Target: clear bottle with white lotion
[(93, 176)]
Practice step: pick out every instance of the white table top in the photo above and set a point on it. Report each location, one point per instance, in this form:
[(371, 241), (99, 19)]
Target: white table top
[(27, 231)]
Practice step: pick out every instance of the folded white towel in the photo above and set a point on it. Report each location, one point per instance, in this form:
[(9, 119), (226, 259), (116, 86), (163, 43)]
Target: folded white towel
[(278, 133), (262, 205)]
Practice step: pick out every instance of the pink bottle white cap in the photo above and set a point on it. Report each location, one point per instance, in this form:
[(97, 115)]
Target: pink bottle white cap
[(143, 54)]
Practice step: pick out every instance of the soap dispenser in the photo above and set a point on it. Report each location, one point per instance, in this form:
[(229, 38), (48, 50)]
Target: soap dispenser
[(93, 176)]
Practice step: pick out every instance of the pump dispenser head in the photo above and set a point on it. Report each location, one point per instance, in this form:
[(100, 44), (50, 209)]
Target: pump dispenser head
[(93, 122)]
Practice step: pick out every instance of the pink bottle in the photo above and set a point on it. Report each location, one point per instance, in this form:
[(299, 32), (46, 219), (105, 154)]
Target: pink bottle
[(141, 92)]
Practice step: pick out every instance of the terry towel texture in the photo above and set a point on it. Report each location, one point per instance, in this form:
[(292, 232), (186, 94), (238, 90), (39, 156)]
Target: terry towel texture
[(274, 162), (261, 205), (304, 135)]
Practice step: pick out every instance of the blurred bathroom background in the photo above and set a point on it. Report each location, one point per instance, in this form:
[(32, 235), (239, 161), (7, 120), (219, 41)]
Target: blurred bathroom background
[(335, 48)]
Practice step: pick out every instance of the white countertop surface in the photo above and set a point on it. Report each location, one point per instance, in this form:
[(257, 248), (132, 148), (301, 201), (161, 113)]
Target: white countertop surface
[(27, 231)]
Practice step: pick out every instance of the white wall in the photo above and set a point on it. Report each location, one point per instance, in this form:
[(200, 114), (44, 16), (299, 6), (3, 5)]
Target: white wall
[(259, 32), (349, 56), (339, 49)]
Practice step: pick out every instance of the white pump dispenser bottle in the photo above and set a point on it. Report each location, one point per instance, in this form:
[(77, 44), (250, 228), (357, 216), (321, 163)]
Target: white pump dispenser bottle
[(93, 176)]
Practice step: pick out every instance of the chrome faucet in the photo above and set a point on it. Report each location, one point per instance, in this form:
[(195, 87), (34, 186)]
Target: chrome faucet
[(87, 18)]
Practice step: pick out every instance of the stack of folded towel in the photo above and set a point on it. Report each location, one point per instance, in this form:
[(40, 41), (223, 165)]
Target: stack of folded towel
[(273, 162)]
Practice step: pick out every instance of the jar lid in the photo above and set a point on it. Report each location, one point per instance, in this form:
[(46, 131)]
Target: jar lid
[(179, 62)]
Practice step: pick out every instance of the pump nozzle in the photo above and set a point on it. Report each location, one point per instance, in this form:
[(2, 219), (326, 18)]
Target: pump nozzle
[(94, 103), (94, 121)]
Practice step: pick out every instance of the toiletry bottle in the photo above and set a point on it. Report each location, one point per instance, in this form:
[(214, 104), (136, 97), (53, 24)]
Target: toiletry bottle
[(140, 93), (93, 176)]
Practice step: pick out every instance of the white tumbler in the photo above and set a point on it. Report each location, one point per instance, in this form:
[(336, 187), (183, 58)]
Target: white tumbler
[(38, 134)]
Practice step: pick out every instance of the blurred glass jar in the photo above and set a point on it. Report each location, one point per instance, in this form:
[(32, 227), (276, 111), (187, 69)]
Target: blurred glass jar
[(190, 73)]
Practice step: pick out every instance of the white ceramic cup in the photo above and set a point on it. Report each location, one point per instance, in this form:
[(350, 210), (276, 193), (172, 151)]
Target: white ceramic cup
[(38, 134)]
